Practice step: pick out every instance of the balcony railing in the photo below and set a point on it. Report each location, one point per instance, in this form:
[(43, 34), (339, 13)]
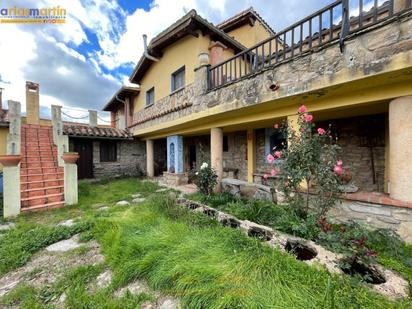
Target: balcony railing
[(330, 24)]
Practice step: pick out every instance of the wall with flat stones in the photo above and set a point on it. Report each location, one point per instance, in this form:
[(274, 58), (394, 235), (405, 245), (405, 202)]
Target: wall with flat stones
[(235, 159), (376, 216), (131, 160)]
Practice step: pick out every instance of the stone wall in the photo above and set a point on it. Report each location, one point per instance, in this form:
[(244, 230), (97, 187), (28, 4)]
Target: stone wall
[(376, 216), (131, 160), (235, 159), (355, 135)]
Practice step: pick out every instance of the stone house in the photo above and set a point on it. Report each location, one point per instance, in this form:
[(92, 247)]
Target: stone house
[(211, 93)]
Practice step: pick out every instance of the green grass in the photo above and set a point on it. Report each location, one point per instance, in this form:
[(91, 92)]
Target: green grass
[(179, 253)]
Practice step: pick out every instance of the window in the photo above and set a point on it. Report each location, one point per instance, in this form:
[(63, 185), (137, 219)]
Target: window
[(178, 79), (225, 143), (108, 151), (274, 140), (150, 96)]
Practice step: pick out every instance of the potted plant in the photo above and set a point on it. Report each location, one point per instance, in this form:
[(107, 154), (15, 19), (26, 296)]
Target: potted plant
[(70, 157)]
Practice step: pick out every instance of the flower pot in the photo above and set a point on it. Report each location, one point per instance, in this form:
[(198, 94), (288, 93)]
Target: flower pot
[(10, 160), (70, 157), (203, 59)]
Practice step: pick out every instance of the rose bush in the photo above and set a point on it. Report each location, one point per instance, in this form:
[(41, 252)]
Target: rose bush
[(206, 179)]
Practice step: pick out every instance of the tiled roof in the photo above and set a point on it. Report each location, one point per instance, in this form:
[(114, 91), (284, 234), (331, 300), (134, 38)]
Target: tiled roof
[(77, 130), (226, 23)]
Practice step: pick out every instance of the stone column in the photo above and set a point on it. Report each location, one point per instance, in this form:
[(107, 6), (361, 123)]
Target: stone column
[(149, 158), (175, 154), (201, 83), (56, 113), (32, 103), (400, 149), (251, 154), (70, 178), (216, 156), (400, 5), (11, 166), (92, 118)]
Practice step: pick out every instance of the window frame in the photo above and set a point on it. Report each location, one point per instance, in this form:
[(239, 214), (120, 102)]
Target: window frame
[(173, 79), (151, 90), (103, 149)]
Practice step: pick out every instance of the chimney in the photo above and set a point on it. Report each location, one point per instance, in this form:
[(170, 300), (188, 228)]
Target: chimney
[(32, 102), (92, 118), (216, 52)]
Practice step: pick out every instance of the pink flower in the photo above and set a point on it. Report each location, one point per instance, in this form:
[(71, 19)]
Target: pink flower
[(338, 169), (276, 126), (273, 172), (302, 109), (302, 130), (278, 154), (308, 118), (265, 176), (321, 131), (339, 163), (270, 158)]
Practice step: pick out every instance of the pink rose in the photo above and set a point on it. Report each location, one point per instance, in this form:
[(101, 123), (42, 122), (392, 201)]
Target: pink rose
[(276, 126), (265, 176), (321, 131), (302, 109), (273, 172), (339, 163), (270, 158), (278, 154), (308, 118), (302, 130), (338, 169)]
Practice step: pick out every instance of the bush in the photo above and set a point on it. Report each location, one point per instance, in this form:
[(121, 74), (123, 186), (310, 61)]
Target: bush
[(206, 179)]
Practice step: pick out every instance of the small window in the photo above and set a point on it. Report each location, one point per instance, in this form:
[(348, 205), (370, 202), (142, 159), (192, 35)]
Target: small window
[(277, 141), (150, 96), (225, 143), (178, 79), (108, 151)]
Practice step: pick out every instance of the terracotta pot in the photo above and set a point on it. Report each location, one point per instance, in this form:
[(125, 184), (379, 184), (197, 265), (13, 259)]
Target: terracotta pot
[(10, 160), (70, 157)]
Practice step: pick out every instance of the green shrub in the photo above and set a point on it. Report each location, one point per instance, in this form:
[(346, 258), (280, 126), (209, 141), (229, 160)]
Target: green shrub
[(206, 179)]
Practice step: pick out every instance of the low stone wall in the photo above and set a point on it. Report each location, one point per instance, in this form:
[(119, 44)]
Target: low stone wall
[(174, 179), (131, 160), (391, 285), (398, 219)]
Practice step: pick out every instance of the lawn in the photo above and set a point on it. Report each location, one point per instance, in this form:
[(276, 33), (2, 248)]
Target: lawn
[(181, 254)]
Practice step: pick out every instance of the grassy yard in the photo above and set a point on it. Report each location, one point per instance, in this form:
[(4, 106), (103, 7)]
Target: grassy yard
[(181, 254)]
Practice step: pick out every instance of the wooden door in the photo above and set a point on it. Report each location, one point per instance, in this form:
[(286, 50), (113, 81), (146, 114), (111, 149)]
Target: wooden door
[(85, 162)]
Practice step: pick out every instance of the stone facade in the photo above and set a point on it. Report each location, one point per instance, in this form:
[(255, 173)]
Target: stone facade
[(131, 160)]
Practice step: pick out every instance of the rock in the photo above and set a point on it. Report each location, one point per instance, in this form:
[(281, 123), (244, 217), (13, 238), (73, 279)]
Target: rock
[(7, 226), (104, 279), (168, 303), (136, 195), (394, 287), (369, 208), (262, 195), (138, 200), (104, 208), (68, 223), (161, 190), (64, 245), (349, 188), (134, 288), (405, 232), (147, 305), (122, 203)]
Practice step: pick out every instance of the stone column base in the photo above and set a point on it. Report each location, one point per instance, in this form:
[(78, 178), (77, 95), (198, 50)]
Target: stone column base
[(70, 184), (11, 189)]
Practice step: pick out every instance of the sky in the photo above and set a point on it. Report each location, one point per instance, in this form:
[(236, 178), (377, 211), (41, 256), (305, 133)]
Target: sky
[(80, 64)]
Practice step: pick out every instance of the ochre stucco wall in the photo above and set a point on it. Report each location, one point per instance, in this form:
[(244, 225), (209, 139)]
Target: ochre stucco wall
[(3, 142), (250, 35)]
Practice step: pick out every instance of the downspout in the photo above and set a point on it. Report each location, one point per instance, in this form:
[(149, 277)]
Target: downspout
[(146, 53)]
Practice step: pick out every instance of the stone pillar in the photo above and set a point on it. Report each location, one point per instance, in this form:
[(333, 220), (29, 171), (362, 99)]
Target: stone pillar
[(121, 121), (400, 149), (11, 189), (14, 136), (251, 154), (400, 5), (175, 154), (201, 83), (70, 178), (56, 113), (32, 103), (216, 156), (92, 118), (149, 158), (11, 167)]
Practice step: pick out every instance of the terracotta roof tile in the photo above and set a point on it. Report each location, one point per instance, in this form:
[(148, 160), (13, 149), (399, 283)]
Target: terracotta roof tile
[(78, 130)]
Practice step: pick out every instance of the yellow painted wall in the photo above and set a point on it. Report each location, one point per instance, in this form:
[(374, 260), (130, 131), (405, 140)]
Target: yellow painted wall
[(183, 52), (250, 35), (3, 143)]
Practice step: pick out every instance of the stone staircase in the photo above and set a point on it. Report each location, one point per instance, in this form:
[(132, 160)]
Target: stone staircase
[(42, 180)]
